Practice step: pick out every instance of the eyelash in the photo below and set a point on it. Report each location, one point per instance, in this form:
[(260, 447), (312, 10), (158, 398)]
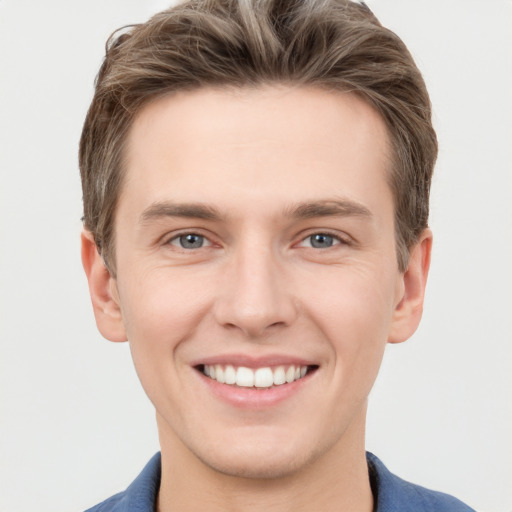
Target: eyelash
[(337, 239), (176, 240)]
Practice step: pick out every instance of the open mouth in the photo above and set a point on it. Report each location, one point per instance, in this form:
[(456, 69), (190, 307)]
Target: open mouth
[(258, 378)]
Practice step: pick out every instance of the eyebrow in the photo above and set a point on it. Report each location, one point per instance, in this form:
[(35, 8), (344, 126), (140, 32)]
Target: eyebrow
[(327, 208), (188, 210), (305, 210)]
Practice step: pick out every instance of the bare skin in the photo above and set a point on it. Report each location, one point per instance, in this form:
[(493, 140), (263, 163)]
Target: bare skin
[(255, 229)]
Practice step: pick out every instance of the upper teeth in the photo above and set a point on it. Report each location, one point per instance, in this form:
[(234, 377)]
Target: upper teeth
[(258, 377)]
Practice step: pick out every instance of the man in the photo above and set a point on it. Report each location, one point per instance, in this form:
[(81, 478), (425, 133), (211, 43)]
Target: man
[(256, 178)]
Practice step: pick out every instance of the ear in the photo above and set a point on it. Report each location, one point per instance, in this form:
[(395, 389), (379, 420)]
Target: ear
[(409, 308), (103, 291)]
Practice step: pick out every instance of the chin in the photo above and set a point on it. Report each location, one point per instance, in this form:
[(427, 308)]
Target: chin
[(259, 460), (255, 468)]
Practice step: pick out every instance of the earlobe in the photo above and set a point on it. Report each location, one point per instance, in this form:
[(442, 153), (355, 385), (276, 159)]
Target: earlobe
[(103, 291), (409, 307)]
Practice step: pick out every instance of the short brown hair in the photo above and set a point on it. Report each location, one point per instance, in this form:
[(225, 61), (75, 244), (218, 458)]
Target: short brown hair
[(332, 44)]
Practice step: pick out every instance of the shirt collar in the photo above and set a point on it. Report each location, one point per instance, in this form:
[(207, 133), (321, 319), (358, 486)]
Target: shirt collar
[(141, 495), (390, 492)]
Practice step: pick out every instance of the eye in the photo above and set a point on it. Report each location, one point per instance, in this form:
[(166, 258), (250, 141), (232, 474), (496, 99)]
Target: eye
[(320, 241), (190, 241)]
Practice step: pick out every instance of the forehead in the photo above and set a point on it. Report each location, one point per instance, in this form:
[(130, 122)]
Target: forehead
[(248, 143)]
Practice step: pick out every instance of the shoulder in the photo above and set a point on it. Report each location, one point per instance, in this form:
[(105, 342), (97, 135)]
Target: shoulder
[(140, 496), (113, 504), (394, 494)]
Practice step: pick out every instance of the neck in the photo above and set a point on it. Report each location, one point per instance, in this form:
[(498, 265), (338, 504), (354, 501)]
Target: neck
[(336, 481)]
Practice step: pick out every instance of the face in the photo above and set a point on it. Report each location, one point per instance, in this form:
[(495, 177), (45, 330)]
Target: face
[(257, 280)]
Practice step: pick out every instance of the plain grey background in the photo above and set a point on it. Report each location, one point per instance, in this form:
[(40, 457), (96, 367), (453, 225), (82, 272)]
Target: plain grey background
[(75, 424)]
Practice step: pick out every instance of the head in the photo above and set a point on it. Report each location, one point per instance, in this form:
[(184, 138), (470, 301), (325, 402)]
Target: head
[(336, 45), (256, 178)]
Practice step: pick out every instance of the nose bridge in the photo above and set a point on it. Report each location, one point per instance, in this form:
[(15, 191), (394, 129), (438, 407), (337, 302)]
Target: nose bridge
[(253, 296)]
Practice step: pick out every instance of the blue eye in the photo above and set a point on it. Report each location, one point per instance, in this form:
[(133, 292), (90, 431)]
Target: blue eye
[(190, 241), (322, 240)]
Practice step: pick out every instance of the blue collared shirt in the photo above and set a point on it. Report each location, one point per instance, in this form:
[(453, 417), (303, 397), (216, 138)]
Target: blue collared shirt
[(391, 494)]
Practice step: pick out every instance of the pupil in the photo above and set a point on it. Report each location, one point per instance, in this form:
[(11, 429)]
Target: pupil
[(191, 241), (321, 241)]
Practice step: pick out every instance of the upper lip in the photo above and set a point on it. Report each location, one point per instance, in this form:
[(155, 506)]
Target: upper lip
[(254, 362)]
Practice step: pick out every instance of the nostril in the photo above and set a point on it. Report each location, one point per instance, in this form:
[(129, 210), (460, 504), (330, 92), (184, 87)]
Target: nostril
[(277, 324)]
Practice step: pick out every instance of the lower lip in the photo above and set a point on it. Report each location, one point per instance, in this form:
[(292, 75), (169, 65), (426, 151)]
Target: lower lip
[(255, 398)]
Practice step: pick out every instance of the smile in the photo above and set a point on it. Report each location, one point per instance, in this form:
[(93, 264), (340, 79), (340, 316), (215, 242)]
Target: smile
[(263, 378)]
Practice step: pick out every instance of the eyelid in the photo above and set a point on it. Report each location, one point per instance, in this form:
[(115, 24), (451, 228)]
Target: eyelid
[(341, 239), (175, 236)]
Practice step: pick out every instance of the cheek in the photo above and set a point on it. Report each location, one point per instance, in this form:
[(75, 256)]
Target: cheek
[(162, 309), (160, 314), (354, 313), (354, 300)]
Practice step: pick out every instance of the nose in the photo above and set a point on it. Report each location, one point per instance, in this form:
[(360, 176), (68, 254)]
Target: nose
[(255, 297)]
